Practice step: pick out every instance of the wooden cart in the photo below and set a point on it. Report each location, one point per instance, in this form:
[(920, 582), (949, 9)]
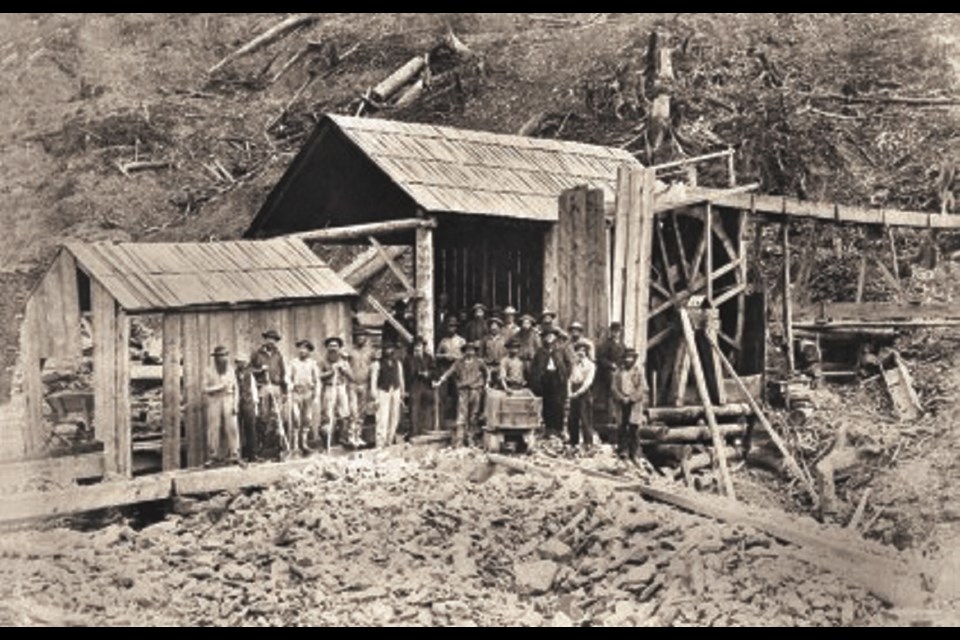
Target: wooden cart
[(512, 421)]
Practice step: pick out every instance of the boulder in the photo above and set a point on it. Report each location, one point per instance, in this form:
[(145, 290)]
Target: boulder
[(534, 578), (555, 550)]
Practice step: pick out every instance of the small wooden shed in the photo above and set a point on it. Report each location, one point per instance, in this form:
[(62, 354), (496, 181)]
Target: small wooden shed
[(200, 295), (479, 208)]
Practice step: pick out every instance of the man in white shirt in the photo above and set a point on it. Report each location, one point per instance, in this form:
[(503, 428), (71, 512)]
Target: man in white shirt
[(305, 388), (220, 398), (579, 386)]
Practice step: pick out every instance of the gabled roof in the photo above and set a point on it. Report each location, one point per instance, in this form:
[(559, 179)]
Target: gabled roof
[(160, 276), (473, 172)]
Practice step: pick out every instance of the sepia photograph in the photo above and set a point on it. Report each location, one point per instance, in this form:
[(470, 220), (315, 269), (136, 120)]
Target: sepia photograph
[(480, 319)]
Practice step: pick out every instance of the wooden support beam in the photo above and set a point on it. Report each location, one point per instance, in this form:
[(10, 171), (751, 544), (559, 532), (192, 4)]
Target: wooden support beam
[(32, 431), (788, 458), (862, 275), (787, 299), (708, 266), (690, 434), (618, 272), (690, 414), (124, 429), (172, 353), (551, 266), (733, 292), (105, 373), (394, 268), (388, 317), (694, 160), (423, 260), (369, 264), (362, 231), (700, 378), (233, 478)]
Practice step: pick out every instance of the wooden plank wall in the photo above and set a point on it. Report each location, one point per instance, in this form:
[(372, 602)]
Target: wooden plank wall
[(123, 447), (582, 260), (240, 332), (57, 312)]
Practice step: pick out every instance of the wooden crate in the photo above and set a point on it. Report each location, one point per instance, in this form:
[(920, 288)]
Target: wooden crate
[(504, 410)]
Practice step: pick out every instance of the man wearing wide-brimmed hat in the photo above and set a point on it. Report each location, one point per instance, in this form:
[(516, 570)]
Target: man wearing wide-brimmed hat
[(270, 371), (305, 387), (630, 391), (493, 349), (247, 403), (609, 357), (549, 372), (528, 338), (387, 388), (476, 329), (220, 393), (336, 375), (471, 377), (449, 350), (510, 326)]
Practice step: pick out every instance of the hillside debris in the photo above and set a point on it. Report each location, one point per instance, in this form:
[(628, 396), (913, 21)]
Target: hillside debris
[(272, 34)]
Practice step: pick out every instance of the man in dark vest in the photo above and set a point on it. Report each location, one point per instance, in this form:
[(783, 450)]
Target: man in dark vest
[(270, 372), (387, 389), (550, 371), (248, 408), (419, 371), (609, 357)]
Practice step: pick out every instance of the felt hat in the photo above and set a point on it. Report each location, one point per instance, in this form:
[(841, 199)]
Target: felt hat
[(333, 341), (576, 326), (220, 351), (479, 305), (306, 344), (630, 353), (548, 312), (582, 345), (271, 334), (548, 331), (496, 320), (529, 317), (616, 326), (509, 311), (471, 345)]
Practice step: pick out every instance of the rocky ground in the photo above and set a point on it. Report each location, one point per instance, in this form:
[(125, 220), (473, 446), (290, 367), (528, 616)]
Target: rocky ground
[(418, 537)]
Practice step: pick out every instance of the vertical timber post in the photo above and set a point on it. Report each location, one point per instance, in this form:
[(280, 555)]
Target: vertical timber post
[(551, 264), (424, 276), (787, 300)]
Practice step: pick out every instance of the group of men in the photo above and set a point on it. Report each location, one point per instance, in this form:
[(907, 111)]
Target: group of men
[(564, 368), (264, 406)]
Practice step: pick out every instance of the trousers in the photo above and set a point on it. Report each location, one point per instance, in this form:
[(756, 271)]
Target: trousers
[(469, 403), (302, 422), (421, 408), (628, 433), (554, 395), (389, 404), (222, 422), (581, 420), (249, 443)]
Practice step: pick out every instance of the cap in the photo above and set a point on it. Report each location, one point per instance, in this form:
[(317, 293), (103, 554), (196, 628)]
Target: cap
[(240, 357), (575, 325), (305, 344), (333, 341), (478, 305), (529, 317), (496, 320), (581, 346), (220, 351), (548, 312), (271, 334), (509, 311), (615, 326)]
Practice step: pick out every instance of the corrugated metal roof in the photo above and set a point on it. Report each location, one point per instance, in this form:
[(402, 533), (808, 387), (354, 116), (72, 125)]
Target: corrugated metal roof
[(153, 277), (475, 172)]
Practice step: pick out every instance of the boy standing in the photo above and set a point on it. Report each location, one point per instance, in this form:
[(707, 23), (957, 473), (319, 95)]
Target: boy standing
[(336, 375), (630, 392)]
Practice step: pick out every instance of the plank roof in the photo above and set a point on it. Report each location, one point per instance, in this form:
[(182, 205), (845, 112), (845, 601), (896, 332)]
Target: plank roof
[(145, 277)]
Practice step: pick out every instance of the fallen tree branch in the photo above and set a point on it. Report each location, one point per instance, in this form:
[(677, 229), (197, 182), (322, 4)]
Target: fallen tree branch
[(126, 168), (270, 35)]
